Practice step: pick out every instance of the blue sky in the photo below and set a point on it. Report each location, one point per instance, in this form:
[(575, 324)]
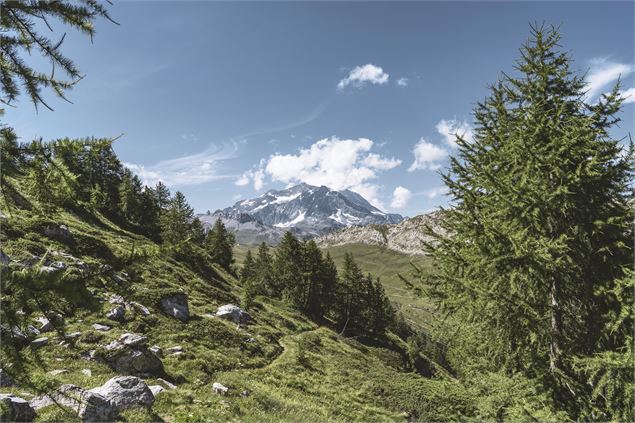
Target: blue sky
[(224, 101)]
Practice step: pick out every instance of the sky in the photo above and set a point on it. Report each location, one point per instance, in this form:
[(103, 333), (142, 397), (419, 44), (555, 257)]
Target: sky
[(224, 101)]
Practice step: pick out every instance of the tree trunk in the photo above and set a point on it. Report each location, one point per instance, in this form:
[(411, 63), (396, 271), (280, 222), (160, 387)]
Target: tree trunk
[(556, 328)]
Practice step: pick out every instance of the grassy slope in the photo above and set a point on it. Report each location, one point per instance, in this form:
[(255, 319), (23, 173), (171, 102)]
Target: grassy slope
[(340, 380), (385, 264)]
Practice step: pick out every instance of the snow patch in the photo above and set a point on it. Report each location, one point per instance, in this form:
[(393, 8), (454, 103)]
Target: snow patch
[(285, 199), (290, 223)]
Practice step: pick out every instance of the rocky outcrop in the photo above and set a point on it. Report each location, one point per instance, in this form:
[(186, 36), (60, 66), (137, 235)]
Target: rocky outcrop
[(89, 406), (117, 314), (176, 306), (60, 232), (40, 342), (233, 313), (129, 355), (5, 380), (126, 392), (15, 409)]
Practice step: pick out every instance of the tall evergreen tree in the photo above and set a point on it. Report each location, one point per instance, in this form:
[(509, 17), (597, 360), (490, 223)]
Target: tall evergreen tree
[(220, 243), (540, 227), (175, 221), (162, 194), (263, 270), (287, 271)]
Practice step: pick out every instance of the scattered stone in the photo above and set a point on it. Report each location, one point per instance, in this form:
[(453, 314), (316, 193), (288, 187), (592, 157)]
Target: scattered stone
[(175, 349), (245, 393), (141, 308), (116, 299), (13, 334), (116, 313), (58, 231), (40, 342), (167, 384), (157, 350), (45, 324), (87, 372), (156, 389), (102, 328), (176, 306), (250, 340), (58, 372), (32, 330), (126, 392), (4, 259), (72, 336), (15, 409), (134, 360), (48, 270), (89, 406), (219, 388), (233, 313), (65, 344), (133, 339), (58, 265), (5, 380)]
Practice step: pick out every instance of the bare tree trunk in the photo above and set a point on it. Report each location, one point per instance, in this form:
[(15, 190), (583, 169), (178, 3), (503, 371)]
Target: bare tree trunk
[(556, 328)]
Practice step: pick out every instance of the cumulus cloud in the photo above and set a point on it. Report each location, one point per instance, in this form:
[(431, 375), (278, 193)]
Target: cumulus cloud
[(629, 95), (188, 170), (436, 191), (604, 72), (449, 129), (333, 162), (427, 156), (402, 82), (361, 75), (400, 197)]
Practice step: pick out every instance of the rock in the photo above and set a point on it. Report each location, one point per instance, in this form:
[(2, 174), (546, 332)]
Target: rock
[(14, 335), (167, 384), (233, 313), (89, 406), (72, 336), (45, 324), (4, 259), (102, 328), (58, 265), (177, 354), (175, 349), (40, 342), (135, 360), (87, 372), (47, 270), (133, 339), (16, 409), (156, 389), (219, 388), (141, 308), (245, 393), (58, 372), (118, 313), (57, 231), (176, 306), (250, 340), (33, 330), (5, 380), (157, 350), (126, 392), (116, 299)]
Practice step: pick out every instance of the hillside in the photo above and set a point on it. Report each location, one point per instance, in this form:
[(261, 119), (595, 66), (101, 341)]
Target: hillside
[(405, 237)]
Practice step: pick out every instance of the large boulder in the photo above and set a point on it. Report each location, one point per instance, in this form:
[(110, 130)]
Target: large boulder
[(176, 306), (4, 259), (89, 406), (126, 392), (15, 409), (129, 355), (233, 313), (60, 232), (5, 379), (117, 314)]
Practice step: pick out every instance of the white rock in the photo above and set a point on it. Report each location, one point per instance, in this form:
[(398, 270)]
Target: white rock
[(102, 328), (133, 339), (40, 342), (18, 409), (156, 389), (219, 388), (233, 313), (87, 372), (126, 392)]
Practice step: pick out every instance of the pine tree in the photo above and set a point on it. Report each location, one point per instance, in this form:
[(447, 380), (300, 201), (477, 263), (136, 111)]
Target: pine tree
[(248, 275), (220, 244), (263, 279), (540, 226), (350, 298), (197, 231), (130, 191), (313, 281), (175, 221), (162, 194), (287, 270)]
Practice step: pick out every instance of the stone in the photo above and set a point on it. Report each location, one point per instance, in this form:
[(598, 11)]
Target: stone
[(126, 392), (58, 265), (250, 340), (87, 372), (16, 409), (58, 372), (219, 388), (116, 299), (72, 336), (39, 342), (135, 360), (245, 393), (45, 324), (233, 313), (89, 406), (47, 270), (175, 349), (5, 380), (176, 306), (133, 339), (118, 313), (4, 259), (157, 350), (102, 328), (156, 389), (33, 330), (167, 384), (141, 308), (13, 334), (58, 231)]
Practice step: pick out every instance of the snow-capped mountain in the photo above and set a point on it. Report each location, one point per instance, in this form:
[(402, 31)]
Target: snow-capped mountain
[(307, 210)]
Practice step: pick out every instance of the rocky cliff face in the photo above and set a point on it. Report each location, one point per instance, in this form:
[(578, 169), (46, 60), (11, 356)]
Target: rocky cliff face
[(306, 210), (405, 237)]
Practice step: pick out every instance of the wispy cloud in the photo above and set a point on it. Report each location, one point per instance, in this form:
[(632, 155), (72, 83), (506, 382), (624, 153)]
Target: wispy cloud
[(188, 170), (362, 75), (402, 82), (604, 72), (449, 129), (629, 95)]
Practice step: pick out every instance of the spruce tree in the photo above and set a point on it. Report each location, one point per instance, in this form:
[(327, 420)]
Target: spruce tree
[(175, 221), (287, 271), (220, 244), (263, 278), (314, 278), (540, 227), (162, 194)]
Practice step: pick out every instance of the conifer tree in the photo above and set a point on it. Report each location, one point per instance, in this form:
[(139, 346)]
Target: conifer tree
[(287, 271), (175, 221), (220, 243), (130, 191), (162, 194), (248, 279), (197, 231), (263, 278), (350, 297), (541, 228)]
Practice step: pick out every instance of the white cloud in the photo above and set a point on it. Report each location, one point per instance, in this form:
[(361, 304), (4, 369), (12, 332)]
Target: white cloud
[(436, 191), (400, 197), (361, 75), (449, 129), (335, 163), (402, 82), (604, 72), (629, 95), (188, 170), (427, 156)]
